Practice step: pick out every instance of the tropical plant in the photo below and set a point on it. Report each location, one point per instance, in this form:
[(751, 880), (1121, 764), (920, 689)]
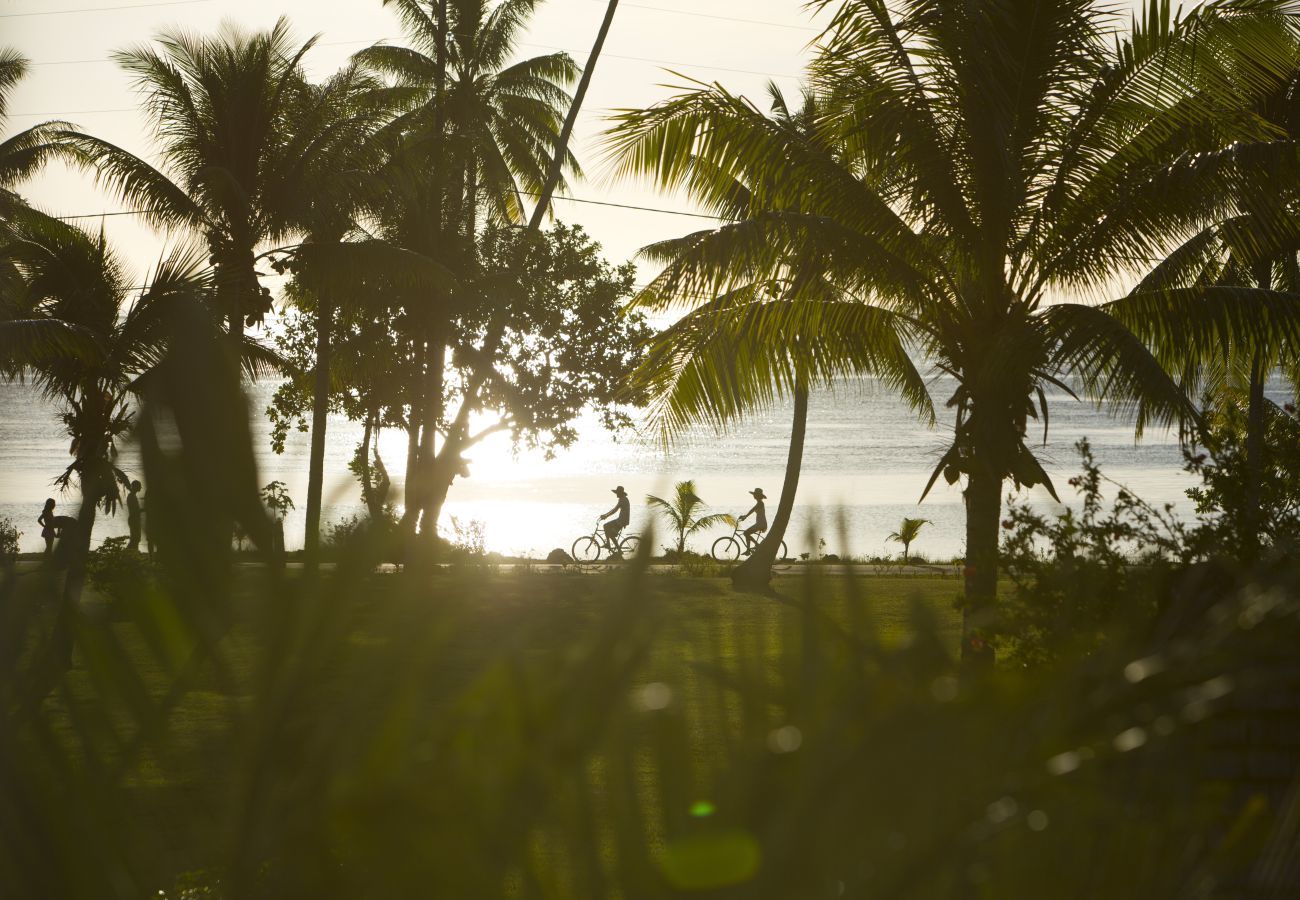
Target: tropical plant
[(989, 161), (683, 513), (21, 154), (907, 532), (9, 541), (75, 279), (486, 136), (247, 147), (276, 497), (779, 334)]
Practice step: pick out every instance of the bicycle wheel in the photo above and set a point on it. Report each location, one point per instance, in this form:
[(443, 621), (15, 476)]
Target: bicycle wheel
[(726, 549), (586, 549), (629, 545)]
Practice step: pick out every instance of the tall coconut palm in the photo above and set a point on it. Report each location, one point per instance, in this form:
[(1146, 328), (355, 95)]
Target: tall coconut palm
[(246, 149), (683, 513), (991, 160), (478, 140), (74, 278)]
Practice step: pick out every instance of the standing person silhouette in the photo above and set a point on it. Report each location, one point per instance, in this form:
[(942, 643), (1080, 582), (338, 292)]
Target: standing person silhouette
[(46, 521), (133, 517), (622, 513), (759, 512)]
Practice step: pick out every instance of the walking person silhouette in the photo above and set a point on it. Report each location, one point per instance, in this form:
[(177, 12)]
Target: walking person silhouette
[(759, 512), (133, 516), (622, 513)]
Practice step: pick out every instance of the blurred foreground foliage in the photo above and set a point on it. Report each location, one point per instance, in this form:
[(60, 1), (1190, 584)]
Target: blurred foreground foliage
[(362, 735)]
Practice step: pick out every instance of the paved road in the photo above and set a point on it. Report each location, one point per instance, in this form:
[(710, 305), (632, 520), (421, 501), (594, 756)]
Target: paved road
[(29, 566)]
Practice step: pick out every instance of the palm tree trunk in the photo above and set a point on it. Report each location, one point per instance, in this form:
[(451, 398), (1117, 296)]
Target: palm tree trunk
[(1251, 512), (983, 510), (755, 573), (319, 420), (75, 579), (566, 132), (433, 412), (409, 488)]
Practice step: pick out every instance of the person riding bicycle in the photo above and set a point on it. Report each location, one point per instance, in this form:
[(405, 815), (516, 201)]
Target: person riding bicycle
[(759, 512), (622, 513)]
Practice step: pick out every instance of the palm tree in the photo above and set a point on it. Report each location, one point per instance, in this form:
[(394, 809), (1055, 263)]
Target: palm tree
[(22, 154), (477, 140), (74, 278), (907, 533), (720, 362), (247, 149), (990, 160), (682, 513)]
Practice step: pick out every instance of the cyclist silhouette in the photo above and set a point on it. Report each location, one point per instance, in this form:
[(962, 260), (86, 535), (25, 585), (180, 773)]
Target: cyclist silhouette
[(622, 513), (759, 512)]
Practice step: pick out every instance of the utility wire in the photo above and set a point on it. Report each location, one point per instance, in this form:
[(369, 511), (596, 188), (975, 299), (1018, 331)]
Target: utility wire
[(641, 59), (96, 9), (584, 200), (700, 15)]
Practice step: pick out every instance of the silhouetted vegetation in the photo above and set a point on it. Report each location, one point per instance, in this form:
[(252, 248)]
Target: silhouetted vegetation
[(1105, 705)]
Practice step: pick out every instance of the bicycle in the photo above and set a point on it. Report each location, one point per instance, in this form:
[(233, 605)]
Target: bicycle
[(587, 549), (735, 545)]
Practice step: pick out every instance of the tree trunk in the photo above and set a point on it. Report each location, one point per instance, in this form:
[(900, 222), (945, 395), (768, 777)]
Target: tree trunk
[(74, 580), (433, 413), (566, 132), (1251, 514), (319, 420), (409, 489), (983, 510), (755, 573)]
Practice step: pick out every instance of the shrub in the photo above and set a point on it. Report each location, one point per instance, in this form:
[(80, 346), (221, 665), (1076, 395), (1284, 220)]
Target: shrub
[(470, 539), (9, 536), (116, 571), (1078, 578)]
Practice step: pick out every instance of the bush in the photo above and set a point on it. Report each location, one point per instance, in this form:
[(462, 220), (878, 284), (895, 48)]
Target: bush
[(355, 531), (469, 541), (116, 571), (1079, 579), (9, 536)]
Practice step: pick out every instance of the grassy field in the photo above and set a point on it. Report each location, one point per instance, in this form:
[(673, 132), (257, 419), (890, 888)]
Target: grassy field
[(402, 653)]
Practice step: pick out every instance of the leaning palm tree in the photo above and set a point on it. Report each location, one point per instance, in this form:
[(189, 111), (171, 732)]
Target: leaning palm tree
[(246, 149), (720, 362), (908, 531), (683, 511), (992, 160)]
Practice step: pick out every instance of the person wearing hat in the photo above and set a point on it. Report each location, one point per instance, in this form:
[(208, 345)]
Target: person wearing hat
[(759, 512), (622, 513)]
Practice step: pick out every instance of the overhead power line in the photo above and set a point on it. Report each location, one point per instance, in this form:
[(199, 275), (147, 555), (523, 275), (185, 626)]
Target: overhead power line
[(641, 59), (96, 9), (700, 15), (589, 202)]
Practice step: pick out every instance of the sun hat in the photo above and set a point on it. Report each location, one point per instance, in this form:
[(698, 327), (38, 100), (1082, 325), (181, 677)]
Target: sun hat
[(758, 494), (619, 490)]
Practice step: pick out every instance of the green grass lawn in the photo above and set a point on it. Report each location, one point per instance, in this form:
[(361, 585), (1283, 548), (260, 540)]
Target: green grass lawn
[(402, 653)]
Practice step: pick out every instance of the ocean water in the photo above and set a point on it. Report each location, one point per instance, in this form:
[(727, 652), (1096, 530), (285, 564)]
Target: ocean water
[(866, 462)]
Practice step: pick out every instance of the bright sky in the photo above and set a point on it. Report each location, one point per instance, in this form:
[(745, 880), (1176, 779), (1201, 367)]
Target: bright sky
[(741, 43)]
